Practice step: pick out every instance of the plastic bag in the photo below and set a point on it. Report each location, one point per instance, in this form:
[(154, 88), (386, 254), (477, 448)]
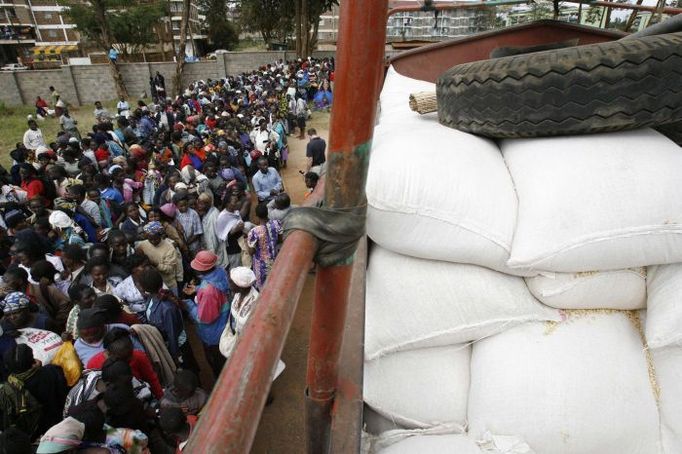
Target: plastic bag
[(67, 359)]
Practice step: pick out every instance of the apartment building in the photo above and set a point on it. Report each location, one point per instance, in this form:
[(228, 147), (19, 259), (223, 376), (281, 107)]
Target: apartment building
[(416, 26), (35, 29), (37, 32), (196, 36)]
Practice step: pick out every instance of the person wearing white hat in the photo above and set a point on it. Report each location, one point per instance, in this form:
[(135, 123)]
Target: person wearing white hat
[(243, 303), (67, 231)]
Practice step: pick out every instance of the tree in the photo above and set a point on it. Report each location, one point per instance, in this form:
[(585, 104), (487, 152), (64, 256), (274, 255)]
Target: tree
[(180, 53), (271, 18), (222, 34), (307, 22), (93, 20), (133, 28)]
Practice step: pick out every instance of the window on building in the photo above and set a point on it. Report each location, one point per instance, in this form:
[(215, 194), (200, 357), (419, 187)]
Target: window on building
[(47, 15), (52, 33)]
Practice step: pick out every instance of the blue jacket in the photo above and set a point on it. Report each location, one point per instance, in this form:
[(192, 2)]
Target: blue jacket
[(166, 317)]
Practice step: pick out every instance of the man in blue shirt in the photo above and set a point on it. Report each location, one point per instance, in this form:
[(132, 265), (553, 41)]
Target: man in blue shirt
[(266, 182)]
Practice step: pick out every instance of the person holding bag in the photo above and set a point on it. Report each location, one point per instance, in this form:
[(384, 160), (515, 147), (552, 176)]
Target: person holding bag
[(242, 280)]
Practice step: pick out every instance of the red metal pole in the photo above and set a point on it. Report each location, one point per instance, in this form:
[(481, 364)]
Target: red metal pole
[(360, 53)]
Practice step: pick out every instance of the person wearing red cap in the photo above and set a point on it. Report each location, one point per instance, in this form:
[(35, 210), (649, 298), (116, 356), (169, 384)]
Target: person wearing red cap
[(210, 307)]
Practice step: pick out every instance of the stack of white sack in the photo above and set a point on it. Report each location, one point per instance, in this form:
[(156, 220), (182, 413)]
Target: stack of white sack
[(664, 336), (522, 255)]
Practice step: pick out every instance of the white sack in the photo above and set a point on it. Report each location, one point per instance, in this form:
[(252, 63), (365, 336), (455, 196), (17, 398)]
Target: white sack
[(420, 388), (438, 193), (43, 343), (664, 314), (375, 423), (414, 303), (579, 387), (668, 364), (394, 105), (434, 444), (618, 289), (596, 202)]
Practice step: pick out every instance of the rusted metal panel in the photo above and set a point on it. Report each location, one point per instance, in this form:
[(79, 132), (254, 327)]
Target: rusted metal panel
[(429, 62)]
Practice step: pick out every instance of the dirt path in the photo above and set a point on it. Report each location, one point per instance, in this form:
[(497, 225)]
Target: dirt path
[(281, 429)]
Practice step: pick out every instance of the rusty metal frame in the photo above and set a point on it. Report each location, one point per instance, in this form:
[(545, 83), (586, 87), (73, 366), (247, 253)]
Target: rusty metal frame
[(230, 419)]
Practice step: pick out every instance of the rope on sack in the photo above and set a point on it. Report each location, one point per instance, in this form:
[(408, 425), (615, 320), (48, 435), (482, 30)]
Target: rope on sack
[(337, 230)]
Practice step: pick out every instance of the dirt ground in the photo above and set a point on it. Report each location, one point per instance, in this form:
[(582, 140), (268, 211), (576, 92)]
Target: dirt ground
[(281, 429)]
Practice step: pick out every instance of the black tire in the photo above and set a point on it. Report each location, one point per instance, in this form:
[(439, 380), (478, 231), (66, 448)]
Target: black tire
[(578, 90)]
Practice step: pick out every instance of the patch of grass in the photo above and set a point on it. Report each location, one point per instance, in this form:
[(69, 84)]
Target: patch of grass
[(13, 124)]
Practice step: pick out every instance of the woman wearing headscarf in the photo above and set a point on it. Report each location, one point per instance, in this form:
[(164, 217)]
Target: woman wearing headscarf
[(210, 307), (242, 280), (172, 228), (66, 436), (16, 307), (161, 253)]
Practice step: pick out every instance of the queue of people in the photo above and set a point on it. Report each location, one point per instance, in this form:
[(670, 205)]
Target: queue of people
[(119, 243)]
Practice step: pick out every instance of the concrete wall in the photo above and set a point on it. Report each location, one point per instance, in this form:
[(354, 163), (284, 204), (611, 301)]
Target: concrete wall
[(89, 83)]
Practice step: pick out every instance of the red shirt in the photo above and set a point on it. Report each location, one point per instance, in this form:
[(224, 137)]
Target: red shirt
[(33, 188), (140, 365), (101, 154)]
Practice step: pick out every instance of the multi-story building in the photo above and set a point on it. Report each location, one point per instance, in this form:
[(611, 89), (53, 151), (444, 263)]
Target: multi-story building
[(195, 37), (38, 32), (427, 26), (416, 26), (35, 30)]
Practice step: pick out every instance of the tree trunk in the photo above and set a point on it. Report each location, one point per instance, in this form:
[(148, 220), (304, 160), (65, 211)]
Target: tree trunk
[(299, 27), (180, 55), (121, 89), (556, 9), (100, 13), (304, 29), (312, 39)]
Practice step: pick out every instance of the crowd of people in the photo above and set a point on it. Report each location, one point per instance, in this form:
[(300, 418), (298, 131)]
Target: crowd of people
[(120, 244)]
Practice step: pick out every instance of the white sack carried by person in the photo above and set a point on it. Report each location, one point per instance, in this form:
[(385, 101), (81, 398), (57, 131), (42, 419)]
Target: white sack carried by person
[(414, 303), (618, 289), (437, 193), (597, 202), (420, 388), (579, 386), (668, 366), (43, 343), (664, 313)]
